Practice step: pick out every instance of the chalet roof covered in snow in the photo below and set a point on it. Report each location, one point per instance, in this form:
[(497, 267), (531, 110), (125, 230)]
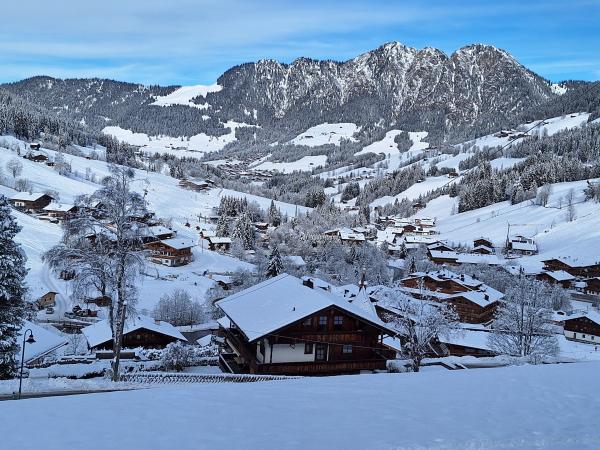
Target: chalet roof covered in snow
[(45, 341), (27, 197), (60, 207), (466, 258), (577, 261), (100, 332), (219, 240), (559, 275), (177, 243), (594, 316), (277, 302)]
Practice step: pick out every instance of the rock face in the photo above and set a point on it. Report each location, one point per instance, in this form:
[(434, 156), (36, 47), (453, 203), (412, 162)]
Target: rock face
[(393, 82), (421, 89)]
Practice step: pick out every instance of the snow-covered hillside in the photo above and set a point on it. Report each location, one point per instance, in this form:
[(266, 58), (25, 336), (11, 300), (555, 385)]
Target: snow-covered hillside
[(39, 236), (304, 164), (185, 94), (326, 133), (194, 146), (549, 226), (389, 148)]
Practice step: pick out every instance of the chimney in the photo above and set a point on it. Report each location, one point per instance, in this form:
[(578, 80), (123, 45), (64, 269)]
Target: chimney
[(362, 284)]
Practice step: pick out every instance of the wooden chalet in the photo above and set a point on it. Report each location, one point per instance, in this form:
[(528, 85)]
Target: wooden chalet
[(522, 245), (556, 277), (281, 326), (35, 146), (30, 202), (474, 301), (592, 286), (157, 233), (60, 211), (39, 157), (139, 331), (170, 252), (583, 327), (46, 300), (578, 267), (219, 243)]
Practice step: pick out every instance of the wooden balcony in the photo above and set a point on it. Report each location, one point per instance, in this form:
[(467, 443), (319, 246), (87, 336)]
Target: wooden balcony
[(322, 367)]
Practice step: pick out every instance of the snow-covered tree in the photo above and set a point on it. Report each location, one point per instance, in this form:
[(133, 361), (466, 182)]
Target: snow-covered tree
[(222, 225), (112, 260), (176, 356), (522, 324), (179, 309), (14, 167), (543, 195), (275, 265), (419, 323), (12, 290), (243, 230), (274, 215)]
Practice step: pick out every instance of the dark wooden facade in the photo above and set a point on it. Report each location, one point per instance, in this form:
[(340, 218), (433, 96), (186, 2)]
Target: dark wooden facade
[(467, 310), (543, 276), (332, 340), (32, 205), (141, 337), (584, 271), (582, 328), (164, 254)]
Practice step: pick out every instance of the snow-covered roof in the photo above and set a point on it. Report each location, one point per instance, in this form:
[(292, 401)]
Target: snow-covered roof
[(363, 302), (467, 338), (159, 230), (348, 235), (178, 243), (100, 332), (295, 260), (523, 246), (271, 305), (27, 197), (466, 258), (577, 261), (559, 275), (593, 315), (62, 207), (219, 240), (45, 341)]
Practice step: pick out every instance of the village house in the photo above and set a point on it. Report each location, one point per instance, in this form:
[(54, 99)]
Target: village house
[(46, 300), (157, 233), (457, 258), (35, 146), (483, 246), (139, 331), (36, 157), (196, 185), (60, 211), (25, 201), (281, 326), (219, 243), (583, 267), (583, 326), (46, 343), (556, 277), (474, 301), (592, 286), (522, 245), (170, 252)]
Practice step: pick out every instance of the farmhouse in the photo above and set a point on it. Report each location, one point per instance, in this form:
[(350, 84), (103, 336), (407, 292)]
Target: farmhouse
[(556, 277), (30, 202), (522, 245), (219, 243), (170, 252), (584, 326), (157, 233), (474, 301), (578, 267), (46, 300), (139, 331), (281, 326), (38, 157), (60, 211)]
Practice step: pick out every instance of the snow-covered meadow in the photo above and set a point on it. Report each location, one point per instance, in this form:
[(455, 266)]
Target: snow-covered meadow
[(524, 407)]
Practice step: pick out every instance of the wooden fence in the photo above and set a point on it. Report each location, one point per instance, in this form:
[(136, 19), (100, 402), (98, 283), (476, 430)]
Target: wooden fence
[(168, 378)]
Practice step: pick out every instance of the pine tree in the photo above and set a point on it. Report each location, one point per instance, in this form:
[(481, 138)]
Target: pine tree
[(222, 225), (12, 290), (244, 232), (274, 215), (275, 266)]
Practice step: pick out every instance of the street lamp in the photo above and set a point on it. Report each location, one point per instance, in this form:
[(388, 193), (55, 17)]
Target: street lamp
[(30, 340)]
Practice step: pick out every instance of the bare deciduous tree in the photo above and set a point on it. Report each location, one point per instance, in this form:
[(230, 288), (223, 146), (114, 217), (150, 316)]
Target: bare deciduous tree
[(14, 167)]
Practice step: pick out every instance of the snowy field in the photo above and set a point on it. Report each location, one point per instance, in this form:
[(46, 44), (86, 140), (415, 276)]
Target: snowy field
[(194, 146), (304, 164), (185, 94), (326, 133), (389, 148), (416, 190), (524, 407)]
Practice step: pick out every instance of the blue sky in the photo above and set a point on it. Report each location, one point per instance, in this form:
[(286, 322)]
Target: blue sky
[(191, 42)]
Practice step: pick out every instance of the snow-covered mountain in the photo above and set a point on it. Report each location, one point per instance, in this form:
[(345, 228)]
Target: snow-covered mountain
[(414, 88)]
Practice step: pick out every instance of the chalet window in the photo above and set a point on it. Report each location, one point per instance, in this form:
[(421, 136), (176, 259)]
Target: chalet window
[(307, 322), (347, 349), (338, 321), (262, 347), (321, 352), (308, 348), (323, 321)]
